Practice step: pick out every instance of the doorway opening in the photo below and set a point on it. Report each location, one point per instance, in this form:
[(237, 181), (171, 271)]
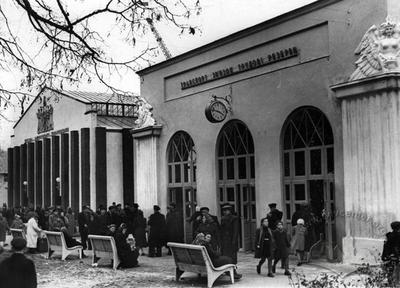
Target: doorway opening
[(236, 177), (308, 175), (182, 180)]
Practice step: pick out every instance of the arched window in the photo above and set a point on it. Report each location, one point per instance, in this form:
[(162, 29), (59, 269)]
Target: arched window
[(236, 176), (308, 167), (182, 179)]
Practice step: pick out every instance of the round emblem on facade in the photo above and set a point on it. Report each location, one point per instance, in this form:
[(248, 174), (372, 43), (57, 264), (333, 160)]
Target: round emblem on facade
[(216, 111)]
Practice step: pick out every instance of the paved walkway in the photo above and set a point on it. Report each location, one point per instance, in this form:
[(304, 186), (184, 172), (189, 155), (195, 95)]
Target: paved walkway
[(160, 272)]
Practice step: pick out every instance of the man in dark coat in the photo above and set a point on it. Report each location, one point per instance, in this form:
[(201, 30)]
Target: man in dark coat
[(273, 216), (174, 224), (17, 271), (229, 233), (83, 223), (157, 232)]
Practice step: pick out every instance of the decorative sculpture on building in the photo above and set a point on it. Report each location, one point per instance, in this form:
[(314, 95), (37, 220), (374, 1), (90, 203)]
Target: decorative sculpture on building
[(144, 114), (45, 117), (379, 50)]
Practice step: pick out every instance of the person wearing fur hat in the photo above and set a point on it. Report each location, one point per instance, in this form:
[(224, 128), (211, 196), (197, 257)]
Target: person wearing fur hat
[(17, 271), (299, 239)]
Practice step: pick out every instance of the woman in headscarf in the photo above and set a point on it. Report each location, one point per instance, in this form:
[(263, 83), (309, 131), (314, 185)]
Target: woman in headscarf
[(32, 233)]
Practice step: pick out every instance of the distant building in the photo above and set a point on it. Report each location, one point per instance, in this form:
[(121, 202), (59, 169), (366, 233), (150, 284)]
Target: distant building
[(73, 149)]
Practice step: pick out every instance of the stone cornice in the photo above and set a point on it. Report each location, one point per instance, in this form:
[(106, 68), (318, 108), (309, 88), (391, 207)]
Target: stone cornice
[(147, 131), (366, 86)]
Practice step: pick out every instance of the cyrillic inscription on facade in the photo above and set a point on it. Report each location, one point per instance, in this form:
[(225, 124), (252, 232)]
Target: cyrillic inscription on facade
[(242, 67)]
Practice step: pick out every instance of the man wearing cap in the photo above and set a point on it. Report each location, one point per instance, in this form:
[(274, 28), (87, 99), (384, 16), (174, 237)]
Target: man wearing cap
[(17, 271), (273, 216), (230, 234), (157, 232)]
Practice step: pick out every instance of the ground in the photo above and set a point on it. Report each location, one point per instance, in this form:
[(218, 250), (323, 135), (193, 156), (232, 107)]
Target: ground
[(160, 272)]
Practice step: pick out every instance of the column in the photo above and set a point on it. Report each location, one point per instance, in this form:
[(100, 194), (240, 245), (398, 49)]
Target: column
[(10, 166), (127, 163), (55, 171), (85, 166), (16, 178), (64, 170), (371, 153), (30, 174), (101, 166), (75, 171), (145, 166), (38, 174), (46, 172), (23, 180)]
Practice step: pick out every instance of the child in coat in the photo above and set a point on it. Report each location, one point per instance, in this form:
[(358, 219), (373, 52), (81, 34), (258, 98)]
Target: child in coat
[(282, 247), (299, 239)]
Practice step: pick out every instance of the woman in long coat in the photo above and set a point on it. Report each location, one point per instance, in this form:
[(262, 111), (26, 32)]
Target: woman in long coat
[(140, 232), (32, 233)]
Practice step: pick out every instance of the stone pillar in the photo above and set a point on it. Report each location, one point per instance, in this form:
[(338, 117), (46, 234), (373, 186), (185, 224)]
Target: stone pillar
[(75, 171), (10, 166), (30, 175), (46, 172), (38, 174), (55, 171), (16, 177), (23, 180), (85, 167), (127, 163), (371, 147), (101, 166), (64, 170), (146, 167)]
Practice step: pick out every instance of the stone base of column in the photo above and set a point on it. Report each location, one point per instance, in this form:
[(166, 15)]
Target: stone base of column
[(358, 250)]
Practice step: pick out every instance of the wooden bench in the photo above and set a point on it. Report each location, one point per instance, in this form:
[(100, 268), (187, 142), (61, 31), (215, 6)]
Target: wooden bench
[(18, 233), (104, 247), (56, 242), (195, 258)]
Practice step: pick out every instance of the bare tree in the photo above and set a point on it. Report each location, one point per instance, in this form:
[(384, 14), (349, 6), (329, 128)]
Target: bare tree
[(75, 46)]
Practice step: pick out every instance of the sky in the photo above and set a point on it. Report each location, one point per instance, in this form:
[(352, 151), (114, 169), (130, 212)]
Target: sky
[(217, 19)]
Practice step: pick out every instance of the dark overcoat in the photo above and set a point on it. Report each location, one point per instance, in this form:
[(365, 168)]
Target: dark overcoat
[(273, 217), (18, 272), (157, 229), (260, 250), (174, 224), (282, 243), (229, 234), (140, 231)]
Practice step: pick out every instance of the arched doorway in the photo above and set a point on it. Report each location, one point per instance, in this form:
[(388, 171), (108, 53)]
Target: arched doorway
[(236, 177), (182, 179), (308, 172)]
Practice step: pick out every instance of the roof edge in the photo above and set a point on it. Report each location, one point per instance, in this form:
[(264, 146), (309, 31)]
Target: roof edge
[(240, 34)]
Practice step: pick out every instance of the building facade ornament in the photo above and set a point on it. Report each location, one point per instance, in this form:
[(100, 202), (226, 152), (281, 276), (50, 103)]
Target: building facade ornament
[(45, 117), (379, 50), (144, 114)]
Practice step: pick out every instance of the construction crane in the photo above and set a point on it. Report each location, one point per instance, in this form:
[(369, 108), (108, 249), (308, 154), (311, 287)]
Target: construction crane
[(160, 41)]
